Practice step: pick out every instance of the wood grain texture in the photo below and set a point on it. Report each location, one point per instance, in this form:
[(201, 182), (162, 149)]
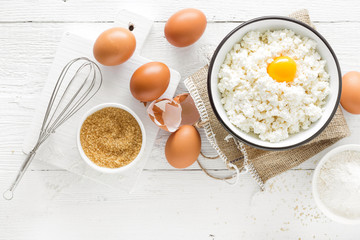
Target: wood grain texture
[(167, 203), (28, 50), (160, 10)]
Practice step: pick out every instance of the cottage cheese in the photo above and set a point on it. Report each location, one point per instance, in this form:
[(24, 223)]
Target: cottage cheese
[(254, 102)]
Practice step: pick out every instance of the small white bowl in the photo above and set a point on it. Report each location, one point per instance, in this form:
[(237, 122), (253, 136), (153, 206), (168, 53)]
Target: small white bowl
[(104, 169), (330, 214)]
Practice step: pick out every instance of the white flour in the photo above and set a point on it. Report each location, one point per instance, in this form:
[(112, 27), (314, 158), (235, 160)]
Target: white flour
[(339, 184)]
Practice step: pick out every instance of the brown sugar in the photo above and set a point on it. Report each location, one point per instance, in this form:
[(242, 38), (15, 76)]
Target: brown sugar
[(111, 137)]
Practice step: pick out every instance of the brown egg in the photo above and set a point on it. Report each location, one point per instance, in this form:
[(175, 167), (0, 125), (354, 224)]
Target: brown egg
[(150, 81), (185, 27), (114, 46), (183, 147), (350, 94)]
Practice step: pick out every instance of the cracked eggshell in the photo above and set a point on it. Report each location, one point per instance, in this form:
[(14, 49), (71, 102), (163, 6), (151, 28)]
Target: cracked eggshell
[(189, 113), (165, 113)]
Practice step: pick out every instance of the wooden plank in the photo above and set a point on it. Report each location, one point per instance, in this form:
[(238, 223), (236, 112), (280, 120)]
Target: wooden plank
[(231, 10), (165, 205), (27, 52)]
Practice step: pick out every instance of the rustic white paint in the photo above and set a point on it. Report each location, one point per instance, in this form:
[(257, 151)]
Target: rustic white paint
[(61, 148), (167, 203)]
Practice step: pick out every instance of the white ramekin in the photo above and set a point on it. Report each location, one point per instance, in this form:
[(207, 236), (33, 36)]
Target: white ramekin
[(104, 169), (330, 214)]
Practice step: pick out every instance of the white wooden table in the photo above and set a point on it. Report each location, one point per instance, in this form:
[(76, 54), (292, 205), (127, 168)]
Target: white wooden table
[(167, 203)]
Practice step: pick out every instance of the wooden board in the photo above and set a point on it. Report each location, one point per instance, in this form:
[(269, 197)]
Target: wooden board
[(170, 203)]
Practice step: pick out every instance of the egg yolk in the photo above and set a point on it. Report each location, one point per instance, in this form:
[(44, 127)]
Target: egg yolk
[(282, 69)]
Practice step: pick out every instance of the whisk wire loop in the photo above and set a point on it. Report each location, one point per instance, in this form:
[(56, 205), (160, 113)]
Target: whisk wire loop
[(63, 104)]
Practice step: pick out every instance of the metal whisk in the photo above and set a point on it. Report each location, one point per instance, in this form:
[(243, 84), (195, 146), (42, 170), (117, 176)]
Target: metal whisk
[(78, 82)]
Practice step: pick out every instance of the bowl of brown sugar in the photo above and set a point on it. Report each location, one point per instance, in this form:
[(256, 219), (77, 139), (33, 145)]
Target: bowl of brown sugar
[(111, 138)]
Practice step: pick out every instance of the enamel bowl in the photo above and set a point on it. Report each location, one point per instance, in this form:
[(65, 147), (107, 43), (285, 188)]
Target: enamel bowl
[(275, 23)]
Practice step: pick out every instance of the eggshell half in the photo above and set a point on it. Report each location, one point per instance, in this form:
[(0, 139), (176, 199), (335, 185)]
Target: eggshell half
[(165, 113), (189, 113)]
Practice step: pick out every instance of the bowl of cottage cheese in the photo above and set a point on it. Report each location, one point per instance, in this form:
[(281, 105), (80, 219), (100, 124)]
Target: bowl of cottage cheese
[(274, 83)]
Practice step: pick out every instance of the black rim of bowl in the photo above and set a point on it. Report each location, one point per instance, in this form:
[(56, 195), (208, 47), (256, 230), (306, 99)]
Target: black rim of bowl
[(211, 67)]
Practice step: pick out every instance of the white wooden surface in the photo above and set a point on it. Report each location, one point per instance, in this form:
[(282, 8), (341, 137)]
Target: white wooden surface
[(167, 204), (61, 149)]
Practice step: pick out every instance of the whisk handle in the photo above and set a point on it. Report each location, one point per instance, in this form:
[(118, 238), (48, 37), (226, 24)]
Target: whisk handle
[(9, 193)]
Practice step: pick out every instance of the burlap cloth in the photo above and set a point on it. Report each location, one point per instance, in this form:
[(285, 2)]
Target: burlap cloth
[(261, 164)]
